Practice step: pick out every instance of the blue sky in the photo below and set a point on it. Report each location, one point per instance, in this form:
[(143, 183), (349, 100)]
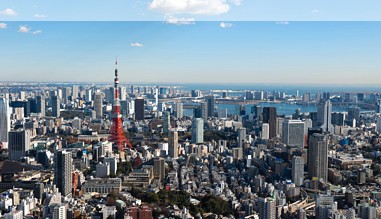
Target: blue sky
[(199, 10), (219, 52), (281, 41)]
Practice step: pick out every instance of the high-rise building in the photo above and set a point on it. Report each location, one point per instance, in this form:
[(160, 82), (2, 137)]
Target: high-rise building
[(197, 131), (5, 122), (354, 113), (63, 166), (56, 106), (210, 101), (269, 117), (173, 144), (98, 105), (22, 104), (41, 105), (159, 168), (89, 95), (265, 131), (241, 132), (267, 208), (166, 122), (318, 156), (324, 116), (293, 133), (75, 92), (338, 118), (139, 109), (179, 110), (378, 106), (19, 143), (297, 170)]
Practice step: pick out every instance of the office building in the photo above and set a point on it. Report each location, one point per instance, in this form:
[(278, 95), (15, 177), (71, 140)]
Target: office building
[(173, 144), (269, 117), (378, 106), (179, 110), (297, 170), (338, 118), (265, 131), (139, 109), (293, 132), (324, 116), (318, 156), (197, 130), (267, 208), (5, 122), (56, 106), (18, 143), (63, 166), (98, 105), (210, 101), (40, 108), (75, 92), (22, 104), (241, 133), (159, 168), (354, 113), (166, 122)]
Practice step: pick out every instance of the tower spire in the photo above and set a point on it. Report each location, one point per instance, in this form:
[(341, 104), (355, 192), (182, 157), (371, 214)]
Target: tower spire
[(116, 130)]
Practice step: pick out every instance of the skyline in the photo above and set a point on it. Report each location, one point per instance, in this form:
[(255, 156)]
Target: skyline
[(204, 52)]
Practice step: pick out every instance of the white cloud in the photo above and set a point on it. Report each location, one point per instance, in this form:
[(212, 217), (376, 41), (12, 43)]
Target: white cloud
[(37, 32), (315, 11), (136, 44), (9, 12), (24, 29), (3, 25), (202, 7), (225, 25), (283, 22), (179, 21), (237, 2), (39, 16)]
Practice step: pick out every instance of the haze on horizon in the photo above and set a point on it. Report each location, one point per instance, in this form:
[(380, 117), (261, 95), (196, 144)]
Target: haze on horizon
[(201, 52)]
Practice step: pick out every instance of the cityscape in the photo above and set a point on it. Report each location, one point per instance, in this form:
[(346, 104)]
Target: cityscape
[(190, 109)]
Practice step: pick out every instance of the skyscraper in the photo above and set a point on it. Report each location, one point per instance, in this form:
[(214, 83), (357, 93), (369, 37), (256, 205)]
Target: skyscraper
[(318, 156), (139, 109), (293, 132), (98, 102), (297, 170), (179, 110), (324, 116), (173, 144), (63, 165), (241, 132), (56, 106), (265, 131), (19, 143), (5, 122), (41, 105), (75, 91), (210, 101), (378, 106), (269, 117), (267, 208), (197, 131), (159, 168), (166, 122)]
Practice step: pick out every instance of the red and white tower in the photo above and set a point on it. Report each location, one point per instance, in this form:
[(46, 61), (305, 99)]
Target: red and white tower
[(116, 131)]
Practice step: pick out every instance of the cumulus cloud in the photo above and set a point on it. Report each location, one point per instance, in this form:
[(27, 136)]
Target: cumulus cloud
[(179, 21), (201, 7), (136, 44), (24, 29), (3, 25), (37, 32), (283, 22), (237, 2), (8, 12), (40, 16), (225, 25)]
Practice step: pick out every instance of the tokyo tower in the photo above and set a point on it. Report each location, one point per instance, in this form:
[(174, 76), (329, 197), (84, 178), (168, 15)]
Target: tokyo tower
[(116, 131)]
